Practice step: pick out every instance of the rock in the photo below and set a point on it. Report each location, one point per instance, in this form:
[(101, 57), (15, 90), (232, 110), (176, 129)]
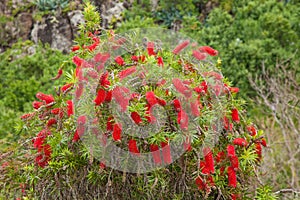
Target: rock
[(62, 35), (24, 24), (76, 18), (55, 31), (112, 13)]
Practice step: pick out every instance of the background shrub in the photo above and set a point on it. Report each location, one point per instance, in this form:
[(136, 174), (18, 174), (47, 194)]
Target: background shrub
[(25, 69)]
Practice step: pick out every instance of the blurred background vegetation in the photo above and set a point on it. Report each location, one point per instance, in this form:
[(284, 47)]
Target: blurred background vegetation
[(249, 34)]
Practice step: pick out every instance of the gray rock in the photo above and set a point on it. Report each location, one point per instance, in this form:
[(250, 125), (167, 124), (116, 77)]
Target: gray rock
[(55, 31), (76, 18), (24, 24)]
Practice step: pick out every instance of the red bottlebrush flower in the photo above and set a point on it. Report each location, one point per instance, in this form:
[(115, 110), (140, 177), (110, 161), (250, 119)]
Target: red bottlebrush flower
[(70, 109), (96, 40), (136, 117), (235, 115), (177, 105), (161, 82), (230, 151), (234, 196), (202, 88), (232, 182), (109, 124), (234, 89), (27, 116), (79, 74), (135, 95), (79, 91), (142, 58), (209, 159), (117, 130), (149, 116), (160, 61), (220, 156), (182, 88), (132, 146), (200, 183), (198, 55), (187, 144), (126, 72), (102, 58), (151, 98), (93, 74), (44, 97), (155, 154), (122, 97), (37, 104), (240, 142), (59, 73), (263, 142), (76, 136), (75, 48), (102, 165), (258, 150), (208, 50), (183, 120), (166, 152), (216, 75), (180, 47), (108, 96), (55, 111), (100, 98), (195, 108), (187, 82), (161, 102), (66, 87), (38, 141), (43, 159), (104, 80), (252, 130), (134, 58), (222, 170), (5, 164), (227, 125), (77, 61), (51, 122), (210, 180), (150, 49), (120, 61), (234, 160), (203, 167), (93, 46), (81, 125)]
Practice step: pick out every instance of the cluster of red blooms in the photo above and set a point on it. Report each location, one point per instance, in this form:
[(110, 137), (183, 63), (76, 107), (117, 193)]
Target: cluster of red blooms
[(161, 152), (51, 116)]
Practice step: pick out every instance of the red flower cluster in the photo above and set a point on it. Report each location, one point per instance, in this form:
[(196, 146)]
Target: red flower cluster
[(235, 115), (181, 46), (44, 150)]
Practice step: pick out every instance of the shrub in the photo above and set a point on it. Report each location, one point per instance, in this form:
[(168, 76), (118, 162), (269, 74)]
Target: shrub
[(179, 86), (25, 68), (250, 33)]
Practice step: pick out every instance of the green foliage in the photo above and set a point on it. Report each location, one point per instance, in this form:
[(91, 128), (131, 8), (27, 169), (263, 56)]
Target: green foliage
[(51, 5), (166, 13), (265, 193), (250, 33), (23, 74), (136, 22)]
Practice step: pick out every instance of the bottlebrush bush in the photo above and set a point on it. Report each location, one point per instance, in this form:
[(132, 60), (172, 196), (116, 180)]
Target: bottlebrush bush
[(140, 118)]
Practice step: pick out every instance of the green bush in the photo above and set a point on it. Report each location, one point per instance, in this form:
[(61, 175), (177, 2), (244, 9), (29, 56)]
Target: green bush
[(250, 33), (23, 74), (57, 164)]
